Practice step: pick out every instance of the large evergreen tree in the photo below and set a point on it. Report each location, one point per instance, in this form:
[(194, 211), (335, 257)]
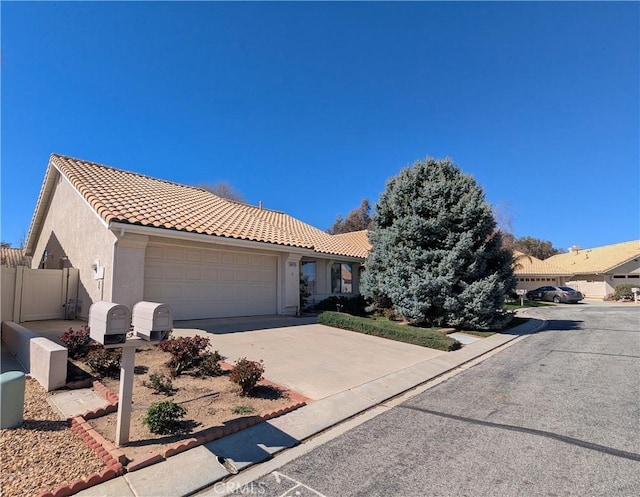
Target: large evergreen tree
[(437, 255)]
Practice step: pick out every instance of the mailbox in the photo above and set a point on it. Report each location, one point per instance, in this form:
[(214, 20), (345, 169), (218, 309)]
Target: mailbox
[(109, 323), (152, 321)]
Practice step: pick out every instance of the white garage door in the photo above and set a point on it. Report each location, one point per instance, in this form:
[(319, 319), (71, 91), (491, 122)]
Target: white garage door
[(205, 283)]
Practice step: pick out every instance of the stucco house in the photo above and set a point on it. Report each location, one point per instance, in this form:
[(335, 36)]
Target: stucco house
[(532, 272), (133, 238), (597, 271)]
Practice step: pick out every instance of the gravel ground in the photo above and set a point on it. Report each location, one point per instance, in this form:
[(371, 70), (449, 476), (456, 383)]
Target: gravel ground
[(43, 453)]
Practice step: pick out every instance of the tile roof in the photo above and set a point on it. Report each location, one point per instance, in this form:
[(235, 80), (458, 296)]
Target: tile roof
[(12, 257), (127, 197), (598, 259), (357, 238), (526, 265)]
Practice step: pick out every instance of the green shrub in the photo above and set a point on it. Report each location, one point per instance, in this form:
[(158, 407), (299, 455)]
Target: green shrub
[(242, 409), (160, 384), (387, 329), (390, 314), (185, 352), (163, 418), (304, 292), (210, 364), (105, 362), (351, 305), (623, 291), (76, 342), (247, 374)]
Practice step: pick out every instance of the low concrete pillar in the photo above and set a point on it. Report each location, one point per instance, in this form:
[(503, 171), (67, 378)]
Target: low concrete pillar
[(48, 363), (12, 384)]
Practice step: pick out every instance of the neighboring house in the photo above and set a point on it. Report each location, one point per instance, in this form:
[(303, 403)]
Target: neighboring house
[(597, 271), (532, 272), (133, 238), (13, 257)]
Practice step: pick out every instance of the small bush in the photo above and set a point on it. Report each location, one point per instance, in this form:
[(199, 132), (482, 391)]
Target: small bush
[(105, 362), (351, 305), (160, 384), (247, 374), (76, 342), (242, 409), (304, 292), (163, 418), (210, 364), (390, 314), (185, 352), (623, 291), (387, 329)]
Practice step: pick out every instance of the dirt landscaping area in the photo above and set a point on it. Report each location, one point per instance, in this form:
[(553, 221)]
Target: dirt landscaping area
[(44, 452), (209, 401)]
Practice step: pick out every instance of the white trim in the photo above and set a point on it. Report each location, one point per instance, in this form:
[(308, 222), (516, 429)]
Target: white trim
[(335, 258), (203, 238)]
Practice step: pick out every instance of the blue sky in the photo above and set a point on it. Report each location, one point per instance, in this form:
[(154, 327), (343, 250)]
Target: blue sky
[(310, 107)]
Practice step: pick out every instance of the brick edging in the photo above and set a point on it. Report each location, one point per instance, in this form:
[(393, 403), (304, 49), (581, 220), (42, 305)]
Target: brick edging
[(115, 459), (217, 432), (107, 451), (209, 435)]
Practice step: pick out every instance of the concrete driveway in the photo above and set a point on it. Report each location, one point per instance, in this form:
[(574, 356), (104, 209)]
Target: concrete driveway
[(312, 359)]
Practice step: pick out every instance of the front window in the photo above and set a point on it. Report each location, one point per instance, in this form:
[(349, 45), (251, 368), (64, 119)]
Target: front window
[(308, 273), (341, 278)]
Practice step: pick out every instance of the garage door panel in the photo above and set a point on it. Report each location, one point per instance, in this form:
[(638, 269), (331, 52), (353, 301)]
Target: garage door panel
[(228, 259), (153, 293), (192, 273), (211, 257), (259, 294), (240, 293), (204, 283), (154, 252), (173, 272), (194, 256), (210, 274), (153, 271), (174, 254), (174, 291), (243, 260)]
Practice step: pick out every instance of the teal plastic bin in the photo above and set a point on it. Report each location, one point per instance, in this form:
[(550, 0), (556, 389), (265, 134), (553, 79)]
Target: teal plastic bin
[(11, 399)]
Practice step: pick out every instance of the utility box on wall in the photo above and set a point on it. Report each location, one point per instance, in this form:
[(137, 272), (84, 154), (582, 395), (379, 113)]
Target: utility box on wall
[(152, 321), (109, 323)]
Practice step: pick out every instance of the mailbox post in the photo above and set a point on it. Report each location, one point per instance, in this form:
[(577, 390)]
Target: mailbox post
[(109, 325), (127, 365), (521, 292), (635, 292)]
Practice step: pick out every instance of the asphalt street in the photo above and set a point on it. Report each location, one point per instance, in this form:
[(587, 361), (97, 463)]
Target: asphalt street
[(555, 414)]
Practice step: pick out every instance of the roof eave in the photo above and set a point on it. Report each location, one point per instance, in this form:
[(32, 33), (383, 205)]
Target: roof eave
[(44, 198), (120, 228)]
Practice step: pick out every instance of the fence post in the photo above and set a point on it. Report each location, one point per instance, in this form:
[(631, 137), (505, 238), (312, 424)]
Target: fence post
[(17, 295)]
